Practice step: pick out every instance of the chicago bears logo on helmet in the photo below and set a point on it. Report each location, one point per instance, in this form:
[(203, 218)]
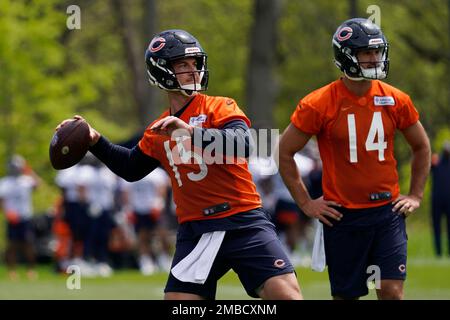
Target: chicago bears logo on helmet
[(344, 34), (157, 44)]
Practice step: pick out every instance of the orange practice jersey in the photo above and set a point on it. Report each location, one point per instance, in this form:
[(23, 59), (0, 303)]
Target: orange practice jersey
[(197, 187), (356, 139)]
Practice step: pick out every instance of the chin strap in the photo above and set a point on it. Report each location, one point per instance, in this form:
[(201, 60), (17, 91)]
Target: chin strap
[(368, 74), (189, 89), (353, 78), (373, 73)]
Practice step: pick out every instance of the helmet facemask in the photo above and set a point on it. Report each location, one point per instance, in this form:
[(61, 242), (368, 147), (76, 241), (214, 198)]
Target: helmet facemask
[(196, 85), (353, 68), (162, 70), (382, 64)]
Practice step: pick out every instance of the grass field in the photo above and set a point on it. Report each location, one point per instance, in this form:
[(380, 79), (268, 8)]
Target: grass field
[(428, 278)]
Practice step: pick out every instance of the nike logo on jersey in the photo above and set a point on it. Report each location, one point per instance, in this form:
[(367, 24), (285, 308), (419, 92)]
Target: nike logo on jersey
[(197, 121), (384, 101)]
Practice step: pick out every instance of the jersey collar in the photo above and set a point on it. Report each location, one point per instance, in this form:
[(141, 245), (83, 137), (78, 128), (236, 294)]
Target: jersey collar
[(180, 112)]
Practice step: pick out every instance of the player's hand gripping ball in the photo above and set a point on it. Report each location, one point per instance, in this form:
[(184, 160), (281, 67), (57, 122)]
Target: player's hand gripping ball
[(69, 144)]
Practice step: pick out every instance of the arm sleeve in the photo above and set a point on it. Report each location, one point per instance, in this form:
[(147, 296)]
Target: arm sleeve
[(235, 133), (130, 164)]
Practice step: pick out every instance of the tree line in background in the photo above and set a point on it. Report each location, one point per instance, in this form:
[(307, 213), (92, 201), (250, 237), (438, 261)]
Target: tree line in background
[(267, 54)]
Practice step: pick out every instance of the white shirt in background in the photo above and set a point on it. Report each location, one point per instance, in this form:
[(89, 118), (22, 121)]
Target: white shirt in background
[(16, 193)]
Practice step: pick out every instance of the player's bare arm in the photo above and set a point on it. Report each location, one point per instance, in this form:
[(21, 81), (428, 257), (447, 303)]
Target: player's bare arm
[(292, 141), (420, 167)]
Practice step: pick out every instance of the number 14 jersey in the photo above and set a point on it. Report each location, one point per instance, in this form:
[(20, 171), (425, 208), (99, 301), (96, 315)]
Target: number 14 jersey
[(356, 139)]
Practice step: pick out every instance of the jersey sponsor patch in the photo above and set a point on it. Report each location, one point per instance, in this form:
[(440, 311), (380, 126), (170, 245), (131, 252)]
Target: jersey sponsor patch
[(197, 121), (384, 101)]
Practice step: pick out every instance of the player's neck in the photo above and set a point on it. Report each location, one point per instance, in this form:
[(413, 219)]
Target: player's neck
[(177, 101), (359, 88)]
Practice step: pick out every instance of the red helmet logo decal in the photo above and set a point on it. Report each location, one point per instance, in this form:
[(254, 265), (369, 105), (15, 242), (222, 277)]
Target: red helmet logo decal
[(344, 33), (157, 44)]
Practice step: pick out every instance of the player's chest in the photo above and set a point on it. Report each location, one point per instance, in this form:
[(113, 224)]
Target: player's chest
[(359, 120), (178, 154), (178, 147)]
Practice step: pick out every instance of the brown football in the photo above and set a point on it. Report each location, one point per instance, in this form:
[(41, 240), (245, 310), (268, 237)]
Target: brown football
[(69, 144)]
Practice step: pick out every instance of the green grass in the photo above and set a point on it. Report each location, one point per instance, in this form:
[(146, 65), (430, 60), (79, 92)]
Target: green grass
[(428, 278)]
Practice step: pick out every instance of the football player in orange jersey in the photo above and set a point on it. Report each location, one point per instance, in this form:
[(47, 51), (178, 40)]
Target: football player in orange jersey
[(222, 224), (355, 119)]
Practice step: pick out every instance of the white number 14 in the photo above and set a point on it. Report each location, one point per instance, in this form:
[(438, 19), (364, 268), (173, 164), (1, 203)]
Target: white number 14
[(376, 131)]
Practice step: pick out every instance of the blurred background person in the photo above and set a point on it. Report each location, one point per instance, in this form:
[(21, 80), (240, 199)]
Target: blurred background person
[(16, 202), (440, 196), (99, 185), (72, 223), (292, 224), (263, 170), (145, 199), (62, 238)]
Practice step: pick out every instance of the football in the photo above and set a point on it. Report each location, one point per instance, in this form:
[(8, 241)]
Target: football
[(69, 144)]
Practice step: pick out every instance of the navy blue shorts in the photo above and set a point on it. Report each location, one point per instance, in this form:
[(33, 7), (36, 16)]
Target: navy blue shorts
[(363, 238), (21, 231), (255, 253)]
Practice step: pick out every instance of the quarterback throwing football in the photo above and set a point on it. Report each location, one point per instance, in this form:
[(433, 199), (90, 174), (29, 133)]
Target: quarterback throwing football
[(222, 225)]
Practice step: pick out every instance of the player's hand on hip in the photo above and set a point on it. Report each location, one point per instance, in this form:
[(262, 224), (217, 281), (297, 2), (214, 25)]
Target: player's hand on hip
[(406, 204), (167, 125), (322, 209), (94, 134)]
